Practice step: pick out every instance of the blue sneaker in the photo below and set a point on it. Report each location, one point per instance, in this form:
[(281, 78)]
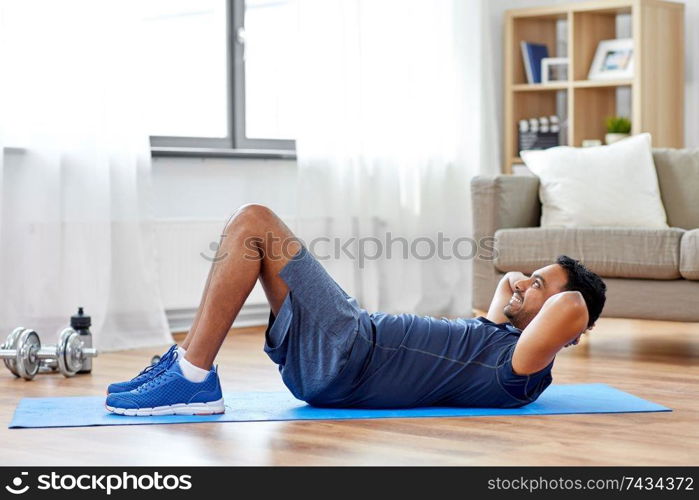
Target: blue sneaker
[(148, 373), (169, 393)]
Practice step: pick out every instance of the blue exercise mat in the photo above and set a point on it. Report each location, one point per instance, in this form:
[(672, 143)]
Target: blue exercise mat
[(271, 406)]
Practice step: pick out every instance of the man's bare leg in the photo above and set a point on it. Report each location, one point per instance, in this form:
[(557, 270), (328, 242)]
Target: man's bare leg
[(255, 244)]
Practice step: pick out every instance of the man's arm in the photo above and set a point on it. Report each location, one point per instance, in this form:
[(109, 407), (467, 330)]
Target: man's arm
[(562, 319), (503, 294)]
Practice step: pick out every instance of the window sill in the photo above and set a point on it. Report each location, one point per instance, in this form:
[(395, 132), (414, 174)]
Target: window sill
[(222, 153)]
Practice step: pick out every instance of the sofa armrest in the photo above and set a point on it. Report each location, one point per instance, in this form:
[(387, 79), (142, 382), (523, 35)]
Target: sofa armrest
[(499, 202), (504, 201)]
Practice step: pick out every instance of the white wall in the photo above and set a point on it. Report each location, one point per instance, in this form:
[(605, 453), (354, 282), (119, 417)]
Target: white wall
[(208, 190), (192, 188), (193, 198)]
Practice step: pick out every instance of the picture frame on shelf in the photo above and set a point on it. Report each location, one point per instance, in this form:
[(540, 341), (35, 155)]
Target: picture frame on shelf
[(613, 60), (554, 69)]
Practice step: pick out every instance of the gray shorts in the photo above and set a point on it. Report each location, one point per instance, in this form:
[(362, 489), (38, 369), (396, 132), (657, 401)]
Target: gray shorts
[(313, 335)]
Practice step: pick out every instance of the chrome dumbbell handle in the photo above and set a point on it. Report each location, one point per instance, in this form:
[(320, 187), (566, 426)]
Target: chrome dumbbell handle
[(47, 357), (48, 352), (40, 353), (49, 365)]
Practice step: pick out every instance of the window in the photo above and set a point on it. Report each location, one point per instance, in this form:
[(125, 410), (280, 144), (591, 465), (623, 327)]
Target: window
[(221, 73)]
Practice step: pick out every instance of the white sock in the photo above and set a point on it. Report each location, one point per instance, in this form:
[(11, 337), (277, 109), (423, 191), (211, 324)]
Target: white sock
[(181, 352), (191, 372)]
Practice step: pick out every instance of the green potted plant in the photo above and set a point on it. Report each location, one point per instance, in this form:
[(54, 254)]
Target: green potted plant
[(618, 128)]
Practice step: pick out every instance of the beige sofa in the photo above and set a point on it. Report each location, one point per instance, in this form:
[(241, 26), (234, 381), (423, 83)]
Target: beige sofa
[(650, 273)]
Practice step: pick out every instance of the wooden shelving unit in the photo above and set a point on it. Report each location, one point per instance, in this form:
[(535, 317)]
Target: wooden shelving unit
[(657, 87)]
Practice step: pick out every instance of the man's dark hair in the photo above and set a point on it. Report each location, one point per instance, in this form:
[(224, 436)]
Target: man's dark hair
[(590, 286)]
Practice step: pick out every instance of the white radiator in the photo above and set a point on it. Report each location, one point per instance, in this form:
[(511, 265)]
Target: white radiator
[(183, 247)]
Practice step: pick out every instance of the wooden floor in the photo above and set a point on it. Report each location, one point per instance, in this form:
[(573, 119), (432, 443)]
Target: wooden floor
[(654, 360)]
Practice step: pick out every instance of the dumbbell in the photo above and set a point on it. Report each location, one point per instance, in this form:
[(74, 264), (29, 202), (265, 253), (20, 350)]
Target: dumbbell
[(24, 356), (48, 366), (22, 353), (71, 352)]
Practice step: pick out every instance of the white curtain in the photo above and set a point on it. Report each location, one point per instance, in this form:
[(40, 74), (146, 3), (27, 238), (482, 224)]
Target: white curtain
[(74, 174), (397, 116), (691, 114)]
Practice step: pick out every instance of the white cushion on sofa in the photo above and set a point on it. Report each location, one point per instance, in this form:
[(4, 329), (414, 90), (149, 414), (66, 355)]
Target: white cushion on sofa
[(612, 185)]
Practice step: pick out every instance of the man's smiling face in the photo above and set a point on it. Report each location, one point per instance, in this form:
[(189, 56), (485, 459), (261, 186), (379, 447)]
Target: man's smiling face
[(531, 293)]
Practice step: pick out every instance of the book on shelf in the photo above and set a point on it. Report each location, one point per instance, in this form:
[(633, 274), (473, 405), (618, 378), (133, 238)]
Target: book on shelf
[(532, 54)]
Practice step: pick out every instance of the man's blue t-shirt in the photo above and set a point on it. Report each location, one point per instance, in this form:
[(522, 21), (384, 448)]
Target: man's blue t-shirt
[(406, 360), (331, 352)]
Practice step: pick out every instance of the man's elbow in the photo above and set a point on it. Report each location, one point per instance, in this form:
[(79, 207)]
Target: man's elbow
[(571, 298), (572, 303)]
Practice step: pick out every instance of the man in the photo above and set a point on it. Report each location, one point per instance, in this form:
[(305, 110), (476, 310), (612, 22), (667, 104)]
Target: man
[(331, 352)]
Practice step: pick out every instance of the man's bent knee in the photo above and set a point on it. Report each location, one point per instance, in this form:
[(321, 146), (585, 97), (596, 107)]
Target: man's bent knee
[(254, 211), (250, 217)]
